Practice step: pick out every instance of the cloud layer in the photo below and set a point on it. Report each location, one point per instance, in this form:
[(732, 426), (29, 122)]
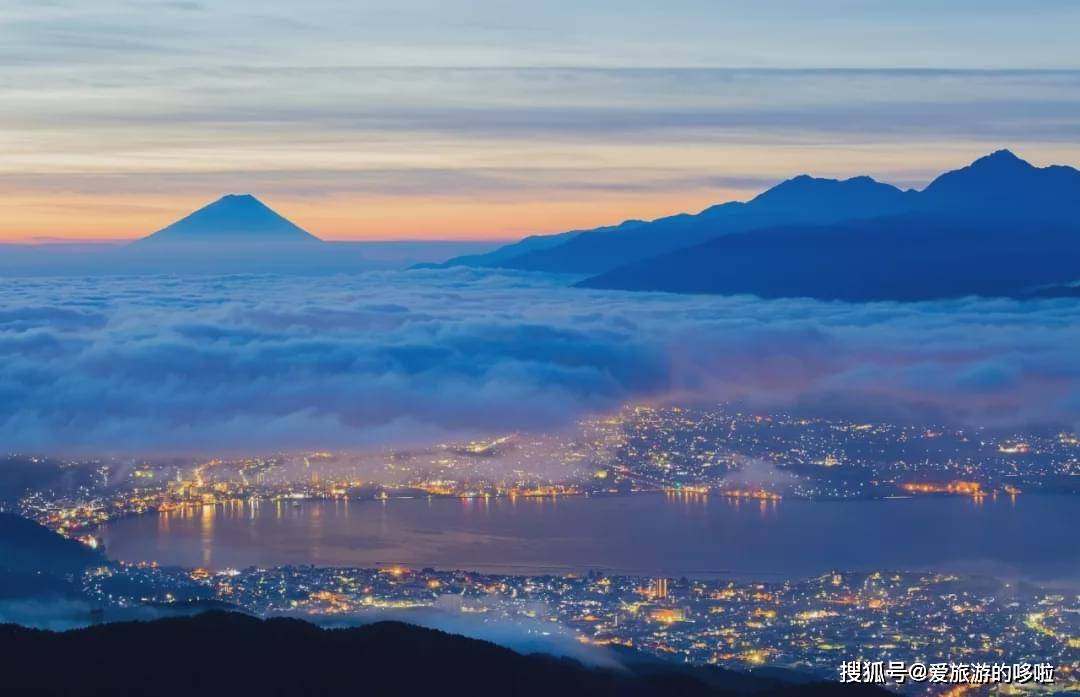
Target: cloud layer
[(254, 363)]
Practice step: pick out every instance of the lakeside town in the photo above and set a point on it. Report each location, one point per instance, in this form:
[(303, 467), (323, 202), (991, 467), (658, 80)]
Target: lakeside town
[(812, 626), (702, 450)]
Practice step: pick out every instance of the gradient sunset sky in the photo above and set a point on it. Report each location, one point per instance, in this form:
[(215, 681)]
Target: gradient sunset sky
[(494, 119)]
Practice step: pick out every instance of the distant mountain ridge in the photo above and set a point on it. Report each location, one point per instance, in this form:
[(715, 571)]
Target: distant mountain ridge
[(234, 218), (905, 258), (999, 226), (528, 245), (1003, 185), (803, 199)]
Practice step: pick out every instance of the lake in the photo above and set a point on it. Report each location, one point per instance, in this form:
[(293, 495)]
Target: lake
[(1032, 536)]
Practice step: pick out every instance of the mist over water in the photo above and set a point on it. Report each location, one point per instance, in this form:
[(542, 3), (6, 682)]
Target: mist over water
[(520, 633)]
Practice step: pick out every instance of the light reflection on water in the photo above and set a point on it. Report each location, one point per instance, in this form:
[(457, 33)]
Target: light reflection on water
[(691, 534)]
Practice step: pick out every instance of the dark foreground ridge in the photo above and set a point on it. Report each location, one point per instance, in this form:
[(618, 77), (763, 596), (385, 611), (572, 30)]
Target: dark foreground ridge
[(221, 653), (27, 547)]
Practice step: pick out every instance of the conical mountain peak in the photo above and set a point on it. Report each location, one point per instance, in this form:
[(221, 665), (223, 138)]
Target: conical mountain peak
[(234, 218), (237, 198)]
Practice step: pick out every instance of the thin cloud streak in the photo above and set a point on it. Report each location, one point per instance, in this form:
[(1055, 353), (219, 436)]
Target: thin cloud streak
[(501, 97), (383, 153)]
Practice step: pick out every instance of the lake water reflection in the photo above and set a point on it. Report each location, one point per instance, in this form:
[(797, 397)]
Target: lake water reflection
[(675, 535)]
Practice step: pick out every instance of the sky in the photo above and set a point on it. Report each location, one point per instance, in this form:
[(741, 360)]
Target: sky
[(491, 120)]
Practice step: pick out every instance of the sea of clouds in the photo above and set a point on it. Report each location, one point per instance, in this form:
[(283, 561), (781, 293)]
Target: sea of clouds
[(153, 364)]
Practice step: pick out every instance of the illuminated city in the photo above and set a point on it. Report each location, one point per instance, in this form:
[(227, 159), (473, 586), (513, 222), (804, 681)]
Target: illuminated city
[(690, 453), (807, 625), (715, 450), (604, 348)]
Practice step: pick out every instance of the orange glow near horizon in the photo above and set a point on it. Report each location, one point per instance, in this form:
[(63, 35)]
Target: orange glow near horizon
[(84, 218), (544, 195)]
